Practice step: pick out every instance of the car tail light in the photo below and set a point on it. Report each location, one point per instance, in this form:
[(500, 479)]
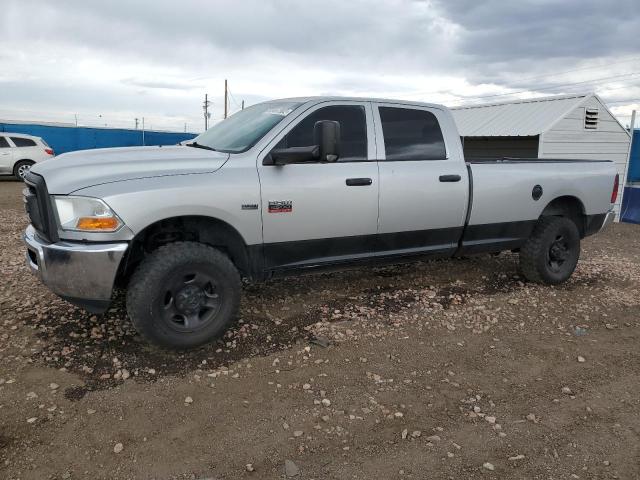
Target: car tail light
[(48, 151), (616, 184)]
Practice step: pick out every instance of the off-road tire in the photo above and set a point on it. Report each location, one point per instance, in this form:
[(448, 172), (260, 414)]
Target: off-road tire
[(19, 166), (151, 285), (539, 261)]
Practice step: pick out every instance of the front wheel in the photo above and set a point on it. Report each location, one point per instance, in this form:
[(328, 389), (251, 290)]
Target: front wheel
[(551, 253), (183, 294)]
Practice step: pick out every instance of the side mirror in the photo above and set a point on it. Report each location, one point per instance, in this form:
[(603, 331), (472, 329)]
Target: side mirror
[(285, 156), (326, 134)]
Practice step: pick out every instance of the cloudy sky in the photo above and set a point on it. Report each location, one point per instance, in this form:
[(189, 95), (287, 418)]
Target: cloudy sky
[(110, 61)]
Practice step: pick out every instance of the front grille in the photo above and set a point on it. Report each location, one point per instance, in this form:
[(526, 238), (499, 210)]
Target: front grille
[(32, 208), (39, 208)]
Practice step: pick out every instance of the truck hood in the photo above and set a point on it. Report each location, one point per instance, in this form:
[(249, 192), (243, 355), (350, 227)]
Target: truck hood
[(72, 171)]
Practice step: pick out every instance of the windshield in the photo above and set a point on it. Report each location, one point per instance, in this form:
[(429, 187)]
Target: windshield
[(244, 129)]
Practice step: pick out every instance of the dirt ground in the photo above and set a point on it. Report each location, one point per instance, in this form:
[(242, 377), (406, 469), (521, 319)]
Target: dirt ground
[(448, 369)]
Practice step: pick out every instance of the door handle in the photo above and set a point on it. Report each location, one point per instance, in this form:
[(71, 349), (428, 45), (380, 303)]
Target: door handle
[(358, 182), (450, 178)]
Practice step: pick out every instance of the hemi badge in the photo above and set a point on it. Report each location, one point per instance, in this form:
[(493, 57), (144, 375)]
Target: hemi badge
[(249, 206), (280, 206)]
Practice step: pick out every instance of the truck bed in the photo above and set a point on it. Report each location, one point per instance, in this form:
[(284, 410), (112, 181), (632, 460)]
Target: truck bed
[(502, 209), (532, 160)]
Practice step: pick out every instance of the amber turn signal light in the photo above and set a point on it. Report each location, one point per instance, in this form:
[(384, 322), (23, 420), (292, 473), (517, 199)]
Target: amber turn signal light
[(97, 223)]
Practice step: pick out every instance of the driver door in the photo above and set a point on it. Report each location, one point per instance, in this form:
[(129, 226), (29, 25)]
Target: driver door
[(322, 213)]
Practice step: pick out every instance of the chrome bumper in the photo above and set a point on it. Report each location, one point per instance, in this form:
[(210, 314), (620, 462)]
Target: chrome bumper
[(608, 220), (82, 273)]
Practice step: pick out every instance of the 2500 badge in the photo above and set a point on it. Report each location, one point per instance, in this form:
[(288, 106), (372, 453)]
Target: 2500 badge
[(280, 206)]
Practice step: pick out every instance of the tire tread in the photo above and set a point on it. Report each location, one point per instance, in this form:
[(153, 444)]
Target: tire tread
[(153, 268), (533, 249)]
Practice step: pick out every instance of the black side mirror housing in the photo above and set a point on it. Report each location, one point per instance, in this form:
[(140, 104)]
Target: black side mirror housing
[(285, 156), (326, 148), (326, 134)]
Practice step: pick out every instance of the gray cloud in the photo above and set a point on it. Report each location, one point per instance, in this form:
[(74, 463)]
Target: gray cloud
[(160, 57), (496, 33)]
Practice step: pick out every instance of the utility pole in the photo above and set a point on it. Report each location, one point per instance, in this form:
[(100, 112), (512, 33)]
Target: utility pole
[(143, 131), (137, 120), (207, 115), (76, 116), (226, 97), (242, 104)]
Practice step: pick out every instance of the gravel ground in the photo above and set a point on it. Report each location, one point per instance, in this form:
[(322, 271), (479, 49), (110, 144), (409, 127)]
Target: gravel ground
[(448, 369)]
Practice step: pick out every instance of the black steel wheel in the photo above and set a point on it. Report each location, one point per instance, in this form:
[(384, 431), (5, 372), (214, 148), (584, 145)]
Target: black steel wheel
[(190, 301), (550, 254), (183, 294), (559, 252)]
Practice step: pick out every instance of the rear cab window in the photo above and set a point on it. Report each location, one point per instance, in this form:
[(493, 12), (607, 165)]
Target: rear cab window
[(411, 134), (353, 131), (4, 143), (22, 142)]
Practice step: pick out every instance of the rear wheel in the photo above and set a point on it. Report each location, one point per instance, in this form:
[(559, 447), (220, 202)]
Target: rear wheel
[(551, 253), (184, 294), (21, 168)]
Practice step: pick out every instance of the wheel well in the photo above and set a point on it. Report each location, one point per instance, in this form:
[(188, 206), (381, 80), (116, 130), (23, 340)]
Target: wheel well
[(207, 230), (22, 160), (569, 207)]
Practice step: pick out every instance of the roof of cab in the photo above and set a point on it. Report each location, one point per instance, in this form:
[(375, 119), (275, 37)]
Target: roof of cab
[(320, 99)]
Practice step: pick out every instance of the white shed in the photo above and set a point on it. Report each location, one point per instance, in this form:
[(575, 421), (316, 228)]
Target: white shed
[(567, 126)]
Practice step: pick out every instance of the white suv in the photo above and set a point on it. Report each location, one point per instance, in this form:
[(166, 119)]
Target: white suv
[(19, 151)]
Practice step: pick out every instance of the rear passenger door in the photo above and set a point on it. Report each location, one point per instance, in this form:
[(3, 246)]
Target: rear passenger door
[(424, 184), (6, 156)]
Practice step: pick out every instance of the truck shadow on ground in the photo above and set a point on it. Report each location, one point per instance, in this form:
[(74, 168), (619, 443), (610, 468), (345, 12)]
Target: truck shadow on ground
[(105, 350)]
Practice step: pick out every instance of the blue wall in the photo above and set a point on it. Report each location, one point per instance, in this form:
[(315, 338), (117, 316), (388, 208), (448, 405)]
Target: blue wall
[(630, 210), (634, 158), (67, 139)]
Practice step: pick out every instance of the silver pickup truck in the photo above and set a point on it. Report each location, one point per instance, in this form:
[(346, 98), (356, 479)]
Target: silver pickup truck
[(288, 186)]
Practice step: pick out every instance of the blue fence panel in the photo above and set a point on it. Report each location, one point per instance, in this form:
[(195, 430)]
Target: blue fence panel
[(68, 139), (630, 210), (634, 159)]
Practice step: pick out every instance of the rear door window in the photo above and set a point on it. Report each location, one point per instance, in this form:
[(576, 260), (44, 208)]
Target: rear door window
[(23, 142), (411, 134), (4, 143)]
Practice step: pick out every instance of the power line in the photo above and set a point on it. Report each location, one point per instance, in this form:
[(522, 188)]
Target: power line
[(551, 87), (628, 100), (232, 97), (527, 79)]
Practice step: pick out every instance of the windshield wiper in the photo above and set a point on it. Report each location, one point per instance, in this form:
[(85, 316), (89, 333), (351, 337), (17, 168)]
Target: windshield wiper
[(198, 145)]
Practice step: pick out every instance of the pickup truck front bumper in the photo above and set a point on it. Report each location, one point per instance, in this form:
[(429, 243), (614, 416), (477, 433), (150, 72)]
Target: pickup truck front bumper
[(81, 273)]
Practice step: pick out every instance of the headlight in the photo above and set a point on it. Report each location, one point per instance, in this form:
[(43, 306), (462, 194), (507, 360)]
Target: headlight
[(86, 214)]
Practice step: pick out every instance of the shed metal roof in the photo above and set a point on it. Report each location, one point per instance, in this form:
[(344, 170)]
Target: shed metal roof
[(514, 119)]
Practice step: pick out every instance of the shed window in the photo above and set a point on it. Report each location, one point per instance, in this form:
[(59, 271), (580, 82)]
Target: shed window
[(591, 118)]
